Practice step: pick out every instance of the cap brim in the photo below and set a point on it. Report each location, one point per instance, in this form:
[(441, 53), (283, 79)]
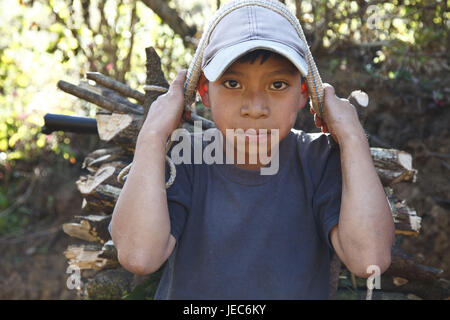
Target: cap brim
[(225, 57)]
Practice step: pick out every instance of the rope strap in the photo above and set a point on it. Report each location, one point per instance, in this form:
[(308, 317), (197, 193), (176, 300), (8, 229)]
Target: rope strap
[(313, 80), (148, 87), (123, 174)]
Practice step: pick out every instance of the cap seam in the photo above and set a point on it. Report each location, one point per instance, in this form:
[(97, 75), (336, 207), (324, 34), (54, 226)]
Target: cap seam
[(251, 24), (252, 35), (256, 24)]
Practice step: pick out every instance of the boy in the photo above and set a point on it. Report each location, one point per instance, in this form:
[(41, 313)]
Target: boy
[(228, 231)]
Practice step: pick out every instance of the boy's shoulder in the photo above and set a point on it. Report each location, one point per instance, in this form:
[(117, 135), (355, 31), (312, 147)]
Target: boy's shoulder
[(317, 153), (313, 140)]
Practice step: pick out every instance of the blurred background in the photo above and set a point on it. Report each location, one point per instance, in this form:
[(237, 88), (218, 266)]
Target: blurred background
[(396, 51)]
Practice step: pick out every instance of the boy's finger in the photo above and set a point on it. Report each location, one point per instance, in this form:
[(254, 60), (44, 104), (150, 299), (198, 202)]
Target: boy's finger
[(312, 110), (179, 80), (328, 90)]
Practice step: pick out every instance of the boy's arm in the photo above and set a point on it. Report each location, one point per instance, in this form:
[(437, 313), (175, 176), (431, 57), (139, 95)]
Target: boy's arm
[(140, 223), (365, 233)]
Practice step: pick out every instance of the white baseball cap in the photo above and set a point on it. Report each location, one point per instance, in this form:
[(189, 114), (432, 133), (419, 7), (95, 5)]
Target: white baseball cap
[(247, 29)]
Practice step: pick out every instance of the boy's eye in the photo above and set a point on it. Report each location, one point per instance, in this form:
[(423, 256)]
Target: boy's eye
[(232, 84), (278, 85)]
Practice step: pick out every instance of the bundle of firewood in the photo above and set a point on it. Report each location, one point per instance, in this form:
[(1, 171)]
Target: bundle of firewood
[(118, 122)]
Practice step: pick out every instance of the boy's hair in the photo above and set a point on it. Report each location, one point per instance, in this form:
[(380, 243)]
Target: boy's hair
[(252, 56)]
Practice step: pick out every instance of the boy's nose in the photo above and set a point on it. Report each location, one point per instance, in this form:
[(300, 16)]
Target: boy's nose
[(255, 107)]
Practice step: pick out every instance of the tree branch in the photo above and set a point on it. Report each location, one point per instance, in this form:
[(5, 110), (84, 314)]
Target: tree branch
[(127, 61), (172, 18)]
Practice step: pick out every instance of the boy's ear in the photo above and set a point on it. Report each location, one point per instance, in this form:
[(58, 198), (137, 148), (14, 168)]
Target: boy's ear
[(304, 96), (202, 88)]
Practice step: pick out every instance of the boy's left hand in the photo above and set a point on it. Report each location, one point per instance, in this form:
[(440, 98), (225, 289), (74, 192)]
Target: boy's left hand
[(341, 117)]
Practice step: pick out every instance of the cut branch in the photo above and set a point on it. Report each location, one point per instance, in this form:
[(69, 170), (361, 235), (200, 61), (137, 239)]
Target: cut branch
[(115, 85), (406, 220), (101, 156), (121, 129), (92, 228), (110, 94), (393, 165), (97, 99), (173, 19), (404, 266), (109, 284), (92, 256), (155, 77)]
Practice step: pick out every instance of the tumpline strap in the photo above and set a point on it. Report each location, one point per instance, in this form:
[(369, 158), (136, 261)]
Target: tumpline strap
[(313, 80)]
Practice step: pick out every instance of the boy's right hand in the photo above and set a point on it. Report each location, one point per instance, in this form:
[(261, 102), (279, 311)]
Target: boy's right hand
[(165, 112)]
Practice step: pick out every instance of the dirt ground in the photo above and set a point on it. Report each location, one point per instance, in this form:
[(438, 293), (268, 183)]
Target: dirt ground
[(32, 264)]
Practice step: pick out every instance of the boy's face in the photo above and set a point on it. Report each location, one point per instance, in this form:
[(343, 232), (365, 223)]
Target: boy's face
[(256, 96)]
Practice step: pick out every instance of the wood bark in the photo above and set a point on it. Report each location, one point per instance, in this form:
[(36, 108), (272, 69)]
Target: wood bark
[(110, 94), (433, 289), (101, 101), (393, 166), (403, 265), (406, 220), (93, 228), (109, 284), (95, 159), (120, 129), (155, 77), (116, 86), (101, 189), (92, 256)]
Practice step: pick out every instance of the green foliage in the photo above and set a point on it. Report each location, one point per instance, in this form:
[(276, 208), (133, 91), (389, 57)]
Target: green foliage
[(14, 222), (45, 41)]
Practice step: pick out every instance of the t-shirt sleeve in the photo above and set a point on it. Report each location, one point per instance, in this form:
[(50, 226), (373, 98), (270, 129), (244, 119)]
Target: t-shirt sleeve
[(327, 194)]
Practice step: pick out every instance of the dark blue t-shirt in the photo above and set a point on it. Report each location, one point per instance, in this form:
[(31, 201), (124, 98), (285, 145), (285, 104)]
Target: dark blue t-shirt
[(243, 235)]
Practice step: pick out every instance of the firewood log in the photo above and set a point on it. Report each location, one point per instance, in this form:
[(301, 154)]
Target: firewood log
[(92, 256), (109, 284), (92, 228), (121, 129), (102, 101), (101, 198), (433, 289), (108, 93), (403, 265), (393, 165), (101, 156), (101, 190), (406, 220)]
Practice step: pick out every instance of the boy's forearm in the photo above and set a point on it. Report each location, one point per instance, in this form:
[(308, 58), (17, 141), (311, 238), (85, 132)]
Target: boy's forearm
[(140, 224), (366, 228)]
